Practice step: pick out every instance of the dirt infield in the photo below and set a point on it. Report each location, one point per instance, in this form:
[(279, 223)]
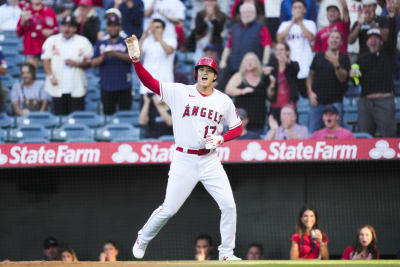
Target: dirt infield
[(266, 263)]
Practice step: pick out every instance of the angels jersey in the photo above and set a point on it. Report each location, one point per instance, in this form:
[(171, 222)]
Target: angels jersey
[(194, 115)]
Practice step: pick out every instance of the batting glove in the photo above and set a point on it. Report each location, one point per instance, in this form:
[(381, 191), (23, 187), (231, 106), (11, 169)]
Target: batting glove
[(213, 141), (133, 47)]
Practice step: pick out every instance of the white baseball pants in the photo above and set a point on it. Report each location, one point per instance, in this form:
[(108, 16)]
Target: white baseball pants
[(185, 172)]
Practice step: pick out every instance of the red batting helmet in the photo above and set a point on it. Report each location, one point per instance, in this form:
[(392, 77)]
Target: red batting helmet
[(206, 61)]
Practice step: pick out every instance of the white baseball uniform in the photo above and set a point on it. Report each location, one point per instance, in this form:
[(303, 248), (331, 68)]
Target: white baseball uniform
[(194, 115)]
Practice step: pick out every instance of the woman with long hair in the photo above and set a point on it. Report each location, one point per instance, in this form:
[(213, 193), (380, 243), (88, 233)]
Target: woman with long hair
[(209, 25), (285, 71), (110, 251), (309, 242), (68, 255), (365, 247), (250, 88)]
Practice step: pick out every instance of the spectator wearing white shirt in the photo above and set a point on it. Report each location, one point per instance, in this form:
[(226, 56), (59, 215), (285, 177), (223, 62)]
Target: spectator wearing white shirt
[(158, 51), (9, 15), (272, 13), (65, 57), (299, 33)]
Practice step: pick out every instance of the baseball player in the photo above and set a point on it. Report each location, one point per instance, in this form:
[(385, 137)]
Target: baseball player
[(197, 113)]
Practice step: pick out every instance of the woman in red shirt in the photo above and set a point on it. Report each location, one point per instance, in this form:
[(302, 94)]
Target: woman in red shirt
[(309, 242), (365, 248)]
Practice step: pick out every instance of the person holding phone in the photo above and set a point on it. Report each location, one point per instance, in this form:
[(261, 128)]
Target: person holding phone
[(309, 242)]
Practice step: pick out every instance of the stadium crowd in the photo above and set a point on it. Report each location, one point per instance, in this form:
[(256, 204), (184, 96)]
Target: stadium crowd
[(295, 68), (309, 242)]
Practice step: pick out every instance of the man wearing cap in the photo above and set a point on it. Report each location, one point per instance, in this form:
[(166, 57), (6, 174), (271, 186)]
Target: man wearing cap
[(332, 129), (65, 57), (131, 13), (335, 23), (246, 134), (376, 107), (111, 56), (37, 22), (327, 81), (367, 20), (51, 249)]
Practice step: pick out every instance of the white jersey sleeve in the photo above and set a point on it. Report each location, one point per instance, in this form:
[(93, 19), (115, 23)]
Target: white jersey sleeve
[(169, 92), (232, 118)]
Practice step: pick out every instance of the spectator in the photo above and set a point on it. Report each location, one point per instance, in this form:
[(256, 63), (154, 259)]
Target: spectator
[(250, 88), (3, 71), (179, 77), (272, 14), (111, 56), (255, 252), (335, 23), (299, 33), (172, 12), (88, 20), (289, 129), (37, 22), (29, 94), (365, 247), (203, 246), (9, 15), (132, 13), (246, 134), (327, 81), (96, 3), (62, 8), (367, 20), (51, 249), (65, 57), (259, 4), (156, 115), (376, 107), (158, 52), (332, 130), (355, 9), (211, 51), (208, 30), (248, 35), (310, 13), (309, 242), (68, 255), (110, 252), (285, 72)]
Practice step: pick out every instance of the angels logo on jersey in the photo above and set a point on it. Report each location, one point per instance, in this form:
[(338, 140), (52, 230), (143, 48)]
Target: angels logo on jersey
[(202, 112)]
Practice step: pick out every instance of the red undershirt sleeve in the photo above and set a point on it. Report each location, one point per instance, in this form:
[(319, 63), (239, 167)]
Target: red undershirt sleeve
[(232, 134), (146, 78)]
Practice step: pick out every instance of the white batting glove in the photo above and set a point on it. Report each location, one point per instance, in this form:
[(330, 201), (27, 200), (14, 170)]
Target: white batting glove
[(133, 47), (213, 141)]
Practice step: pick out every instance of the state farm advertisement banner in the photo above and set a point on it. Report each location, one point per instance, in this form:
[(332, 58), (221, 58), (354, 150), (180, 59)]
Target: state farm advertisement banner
[(58, 154)]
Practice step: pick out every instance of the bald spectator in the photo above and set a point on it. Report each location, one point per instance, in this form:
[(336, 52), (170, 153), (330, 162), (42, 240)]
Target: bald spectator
[(332, 130), (248, 35), (289, 129), (37, 22), (9, 15), (335, 23), (299, 34)]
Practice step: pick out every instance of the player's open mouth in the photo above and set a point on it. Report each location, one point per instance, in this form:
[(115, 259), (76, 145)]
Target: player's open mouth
[(204, 78)]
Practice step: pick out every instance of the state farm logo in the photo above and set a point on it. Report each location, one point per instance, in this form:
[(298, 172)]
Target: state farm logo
[(382, 150), (3, 158), (254, 152), (125, 153)]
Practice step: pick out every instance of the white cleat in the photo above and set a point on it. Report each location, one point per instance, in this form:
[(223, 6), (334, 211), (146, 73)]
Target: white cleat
[(229, 258), (139, 249)]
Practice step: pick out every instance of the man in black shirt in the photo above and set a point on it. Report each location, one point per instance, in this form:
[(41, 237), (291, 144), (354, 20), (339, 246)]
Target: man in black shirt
[(367, 20), (376, 107), (327, 81)]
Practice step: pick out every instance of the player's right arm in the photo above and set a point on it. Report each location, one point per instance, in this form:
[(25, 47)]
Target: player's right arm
[(145, 77)]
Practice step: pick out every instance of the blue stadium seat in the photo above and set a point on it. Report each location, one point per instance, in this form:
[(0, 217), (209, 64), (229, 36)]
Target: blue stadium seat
[(122, 132), (6, 121), (303, 105), (34, 140), (28, 133), (45, 119), (353, 90), (303, 119), (166, 138), (350, 120), (3, 135), (88, 118), (396, 87), (348, 105), (362, 135), (71, 133), (124, 116), (397, 102)]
